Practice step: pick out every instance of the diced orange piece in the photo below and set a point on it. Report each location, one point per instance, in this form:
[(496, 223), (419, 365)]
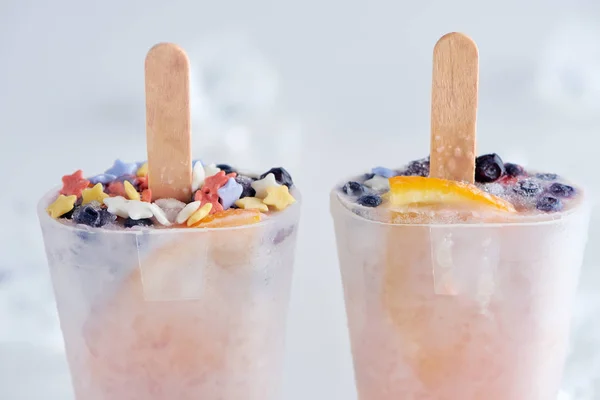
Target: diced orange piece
[(230, 218), (418, 190)]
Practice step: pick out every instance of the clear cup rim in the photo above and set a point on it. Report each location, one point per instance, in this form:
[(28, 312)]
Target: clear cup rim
[(582, 208), (291, 213)]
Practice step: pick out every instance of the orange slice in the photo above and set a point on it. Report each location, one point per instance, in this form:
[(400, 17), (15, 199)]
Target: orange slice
[(230, 218), (417, 190)]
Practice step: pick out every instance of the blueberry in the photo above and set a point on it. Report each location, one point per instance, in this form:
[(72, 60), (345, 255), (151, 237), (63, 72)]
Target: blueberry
[(130, 223), (548, 204), (368, 176), (225, 167), (106, 218), (281, 176), (246, 183), (514, 169), (561, 190), (546, 177), (418, 168), (369, 200), (489, 168), (353, 188), (87, 215), (527, 188)]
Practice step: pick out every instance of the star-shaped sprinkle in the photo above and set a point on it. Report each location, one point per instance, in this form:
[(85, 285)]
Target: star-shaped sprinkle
[(278, 197), (159, 214), (74, 184), (132, 194), (187, 211), (143, 170), (102, 178), (124, 208), (199, 215), (116, 189), (213, 183), (385, 172), (146, 195), (121, 168), (210, 170), (95, 193), (62, 205), (198, 176), (378, 183), (252, 203), (212, 198), (261, 185), (229, 193)]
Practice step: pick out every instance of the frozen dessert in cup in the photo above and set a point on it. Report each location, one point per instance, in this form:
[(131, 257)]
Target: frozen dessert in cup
[(172, 276), (458, 282)]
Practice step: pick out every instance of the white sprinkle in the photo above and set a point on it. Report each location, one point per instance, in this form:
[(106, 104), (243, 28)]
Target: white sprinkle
[(378, 183), (159, 214), (187, 212), (261, 185)]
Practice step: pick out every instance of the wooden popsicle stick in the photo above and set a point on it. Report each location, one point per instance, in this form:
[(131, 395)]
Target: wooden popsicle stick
[(454, 108), (168, 132)]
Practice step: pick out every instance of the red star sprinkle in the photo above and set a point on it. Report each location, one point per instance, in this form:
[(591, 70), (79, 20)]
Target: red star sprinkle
[(147, 195), (212, 183), (117, 189), (206, 197), (74, 184)]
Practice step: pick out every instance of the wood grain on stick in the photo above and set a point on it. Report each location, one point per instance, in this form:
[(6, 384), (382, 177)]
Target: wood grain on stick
[(168, 122), (454, 108)]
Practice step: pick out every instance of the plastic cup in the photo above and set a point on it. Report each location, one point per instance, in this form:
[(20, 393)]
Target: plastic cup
[(173, 313), (462, 311)]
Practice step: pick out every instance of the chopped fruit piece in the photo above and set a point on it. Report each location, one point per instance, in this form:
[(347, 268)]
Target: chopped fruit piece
[(548, 204), (407, 190), (561, 190), (369, 200), (514, 169), (353, 188), (527, 188), (230, 218), (488, 168)]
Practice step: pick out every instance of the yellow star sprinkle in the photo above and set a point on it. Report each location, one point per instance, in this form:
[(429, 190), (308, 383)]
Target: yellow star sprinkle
[(252, 203), (143, 170), (95, 193), (278, 197), (132, 194), (199, 215), (62, 205)]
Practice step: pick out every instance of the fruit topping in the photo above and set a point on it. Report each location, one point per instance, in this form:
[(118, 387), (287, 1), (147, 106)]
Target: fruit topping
[(488, 168)]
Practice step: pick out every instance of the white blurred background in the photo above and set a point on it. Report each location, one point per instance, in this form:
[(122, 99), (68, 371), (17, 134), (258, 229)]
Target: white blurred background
[(326, 88)]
